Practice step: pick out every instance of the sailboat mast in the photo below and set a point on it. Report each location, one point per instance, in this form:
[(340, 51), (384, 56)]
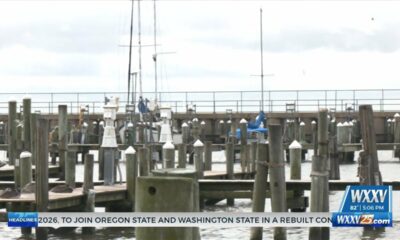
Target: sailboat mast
[(155, 54), (130, 55), (140, 51), (262, 62)]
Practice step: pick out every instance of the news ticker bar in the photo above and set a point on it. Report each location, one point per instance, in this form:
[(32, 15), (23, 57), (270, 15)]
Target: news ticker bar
[(163, 219)]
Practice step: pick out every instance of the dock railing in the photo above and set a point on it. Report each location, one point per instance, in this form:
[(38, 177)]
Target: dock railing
[(219, 101)]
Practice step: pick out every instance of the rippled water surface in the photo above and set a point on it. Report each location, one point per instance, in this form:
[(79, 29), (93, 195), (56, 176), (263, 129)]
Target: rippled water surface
[(390, 169)]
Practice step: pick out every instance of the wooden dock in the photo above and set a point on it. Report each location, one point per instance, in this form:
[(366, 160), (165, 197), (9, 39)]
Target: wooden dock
[(209, 188), (7, 172)]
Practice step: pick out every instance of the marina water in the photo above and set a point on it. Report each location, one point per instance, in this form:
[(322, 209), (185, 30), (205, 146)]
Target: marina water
[(389, 166)]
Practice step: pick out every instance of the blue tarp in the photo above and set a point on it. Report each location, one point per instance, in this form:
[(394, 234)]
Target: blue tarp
[(254, 126)]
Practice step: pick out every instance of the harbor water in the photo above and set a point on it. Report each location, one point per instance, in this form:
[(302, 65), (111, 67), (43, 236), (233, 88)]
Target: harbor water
[(388, 165)]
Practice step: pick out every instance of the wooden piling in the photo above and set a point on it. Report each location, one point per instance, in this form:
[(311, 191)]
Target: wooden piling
[(88, 173), (260, 184), (131, 174), (277, 176), (12, 131), (228, 129), (366, 117), (101, 163), (230, 155), (62, 138), (182, 155), (198, 158), (90, 198), (34, 117), (253, 156), (302, 133), (144, 168), (243, 131), (168, 155), (19, 137), (185, 133), (141, 132), (319, 177), (42, 172), (208, 156), (203, 131), (87, 189), (221, 129), (195, 130), (243, 144), (27, 123), (70, 165), (314, 137), (334, 170), (295, 160), (25, 161)]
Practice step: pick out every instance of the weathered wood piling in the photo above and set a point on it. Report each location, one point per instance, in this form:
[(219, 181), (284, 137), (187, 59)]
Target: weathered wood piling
[(319, 177), (260, 184), (168, 155), (198, 158), (87, 189), (131, 174), (277, 176), (182, 158), (42, 172), (369, 166), (208, 156), (229, 155), (62, 138)]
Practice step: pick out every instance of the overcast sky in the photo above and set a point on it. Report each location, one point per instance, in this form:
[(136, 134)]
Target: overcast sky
[(74, 45)]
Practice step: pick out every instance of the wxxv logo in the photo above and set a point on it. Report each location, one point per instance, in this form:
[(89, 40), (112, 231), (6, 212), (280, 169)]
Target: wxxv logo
[(365, 206)]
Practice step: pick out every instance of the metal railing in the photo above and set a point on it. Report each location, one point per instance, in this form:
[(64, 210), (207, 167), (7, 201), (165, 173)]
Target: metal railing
[(220, 101)]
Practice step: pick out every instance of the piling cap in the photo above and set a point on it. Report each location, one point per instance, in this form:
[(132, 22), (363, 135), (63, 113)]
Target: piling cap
[(198, 143), (333, 120), (189, 122), (12, 99), (397, 115), (389, 120), (295, 145), (185, 125), (346, 124), (313, 122), (102, 123), (221, 121), (130, 124), (339, 124), (203, 123), (195, 119), (168, 145), (85, 124), (130, 150), (1, 123), (243, 120), (26, 97), (354, 121), (94, 122), (302, 124), (351, 123), (25, 155), (229, 122)]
